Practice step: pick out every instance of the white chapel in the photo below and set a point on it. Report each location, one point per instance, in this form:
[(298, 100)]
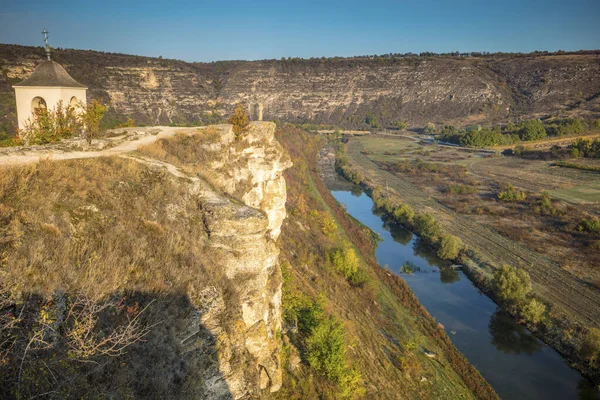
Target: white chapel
[(48, 84)]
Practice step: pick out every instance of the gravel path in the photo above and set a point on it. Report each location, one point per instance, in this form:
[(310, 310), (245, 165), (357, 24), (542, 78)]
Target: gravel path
[(33, 155)]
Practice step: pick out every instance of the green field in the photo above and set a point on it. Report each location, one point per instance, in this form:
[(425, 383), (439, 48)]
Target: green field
[(582, 194), (392, 149)]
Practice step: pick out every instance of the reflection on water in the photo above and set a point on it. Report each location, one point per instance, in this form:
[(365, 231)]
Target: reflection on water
[(449, 275), (399, 234), (511, 338), (356, 191), (421, 249), (511, 359)]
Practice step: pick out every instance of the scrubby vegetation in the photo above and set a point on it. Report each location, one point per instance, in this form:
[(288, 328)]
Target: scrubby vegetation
[(591, 346), (240, 121), (512, 286), (382, 342), (511, 134), (62, 122), (510, 193)]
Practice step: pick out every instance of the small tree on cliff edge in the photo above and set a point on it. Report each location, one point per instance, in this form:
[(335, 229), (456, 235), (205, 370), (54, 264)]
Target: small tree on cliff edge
[(240, 121)]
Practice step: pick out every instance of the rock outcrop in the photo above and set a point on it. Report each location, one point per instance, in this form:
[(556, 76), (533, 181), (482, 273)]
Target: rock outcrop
[(242, 236)]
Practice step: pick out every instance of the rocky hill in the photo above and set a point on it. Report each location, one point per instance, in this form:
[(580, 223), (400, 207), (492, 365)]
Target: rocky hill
[(336, 91), (144, 279)]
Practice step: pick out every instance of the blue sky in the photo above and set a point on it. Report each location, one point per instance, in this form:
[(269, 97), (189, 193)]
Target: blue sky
[(224, 30)]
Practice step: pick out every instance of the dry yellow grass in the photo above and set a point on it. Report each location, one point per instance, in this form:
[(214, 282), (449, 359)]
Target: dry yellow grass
[(98, 226)]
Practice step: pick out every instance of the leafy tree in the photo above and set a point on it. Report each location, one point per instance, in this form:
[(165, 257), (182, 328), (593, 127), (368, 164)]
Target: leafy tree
[(449, 130), (533, 311), (345, 261), (589, 224), (404, 214), (372, 121), (584, 147), (486, 137), (450, 247), (400, 125), (532, 130), (511, 285), (511, 128), (240, 121), (590, 348), (91, 116), (426, 226)]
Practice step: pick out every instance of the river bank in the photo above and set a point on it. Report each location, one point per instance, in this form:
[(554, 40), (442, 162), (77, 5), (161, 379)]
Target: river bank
[(479, 276)]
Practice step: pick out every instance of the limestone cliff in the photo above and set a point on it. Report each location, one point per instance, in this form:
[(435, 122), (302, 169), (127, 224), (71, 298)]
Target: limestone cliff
[(242, 237), (338, 91)]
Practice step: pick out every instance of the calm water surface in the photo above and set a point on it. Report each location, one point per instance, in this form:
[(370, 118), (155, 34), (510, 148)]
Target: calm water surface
[(512, 360)]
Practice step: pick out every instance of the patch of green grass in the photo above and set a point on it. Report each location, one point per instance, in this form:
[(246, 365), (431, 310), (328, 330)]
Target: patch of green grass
[(582, 194)]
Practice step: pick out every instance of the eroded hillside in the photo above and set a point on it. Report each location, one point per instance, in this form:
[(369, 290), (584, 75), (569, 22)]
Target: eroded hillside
[(337, 91)]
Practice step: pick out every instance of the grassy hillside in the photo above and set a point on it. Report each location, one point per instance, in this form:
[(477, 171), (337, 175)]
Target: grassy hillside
[(387, 331)]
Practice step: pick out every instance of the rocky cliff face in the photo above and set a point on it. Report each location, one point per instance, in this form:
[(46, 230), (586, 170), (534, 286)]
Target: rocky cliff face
[(339, 91), (242, 237)]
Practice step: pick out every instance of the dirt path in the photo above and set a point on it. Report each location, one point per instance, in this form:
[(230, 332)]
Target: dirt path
[(37, 154), (568, 295)]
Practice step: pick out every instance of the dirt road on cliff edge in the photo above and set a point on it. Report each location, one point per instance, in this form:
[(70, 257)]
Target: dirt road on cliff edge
[(35, 154), (567, 295)]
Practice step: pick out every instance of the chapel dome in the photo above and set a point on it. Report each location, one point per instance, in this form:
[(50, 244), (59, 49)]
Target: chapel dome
[(50, 73)]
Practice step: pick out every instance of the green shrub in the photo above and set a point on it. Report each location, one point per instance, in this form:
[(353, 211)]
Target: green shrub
[(297, 307), (404, 214), (359, 278), (240, 121), (533, 311), (532, 130), (589, 224), (47, 126), (450, 247), (460, 189), (400, 125), (511, 285), (351, 384), (511, 194), (345, 261), (583, 167), (584, 147), (427, 227), (326, 350), (310, 315), (429, 128), (590, 347)]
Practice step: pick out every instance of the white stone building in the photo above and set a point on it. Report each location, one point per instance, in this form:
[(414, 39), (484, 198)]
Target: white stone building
[(48, 84)]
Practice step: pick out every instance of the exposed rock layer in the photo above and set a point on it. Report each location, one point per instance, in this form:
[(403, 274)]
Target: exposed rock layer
[(416, 90), (242, 237)]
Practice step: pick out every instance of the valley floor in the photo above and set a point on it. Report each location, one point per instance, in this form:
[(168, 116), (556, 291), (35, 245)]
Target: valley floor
[(569, 296)]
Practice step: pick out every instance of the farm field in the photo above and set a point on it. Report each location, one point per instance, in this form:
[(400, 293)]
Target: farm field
[(564, 265)]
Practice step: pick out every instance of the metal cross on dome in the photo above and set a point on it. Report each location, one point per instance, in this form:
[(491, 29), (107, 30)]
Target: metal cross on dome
[(45, 33)]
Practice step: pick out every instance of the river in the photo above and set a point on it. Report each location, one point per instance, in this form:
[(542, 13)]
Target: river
[(510, 357)]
